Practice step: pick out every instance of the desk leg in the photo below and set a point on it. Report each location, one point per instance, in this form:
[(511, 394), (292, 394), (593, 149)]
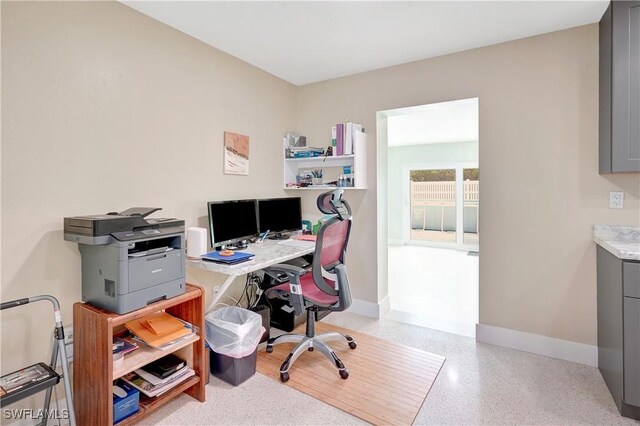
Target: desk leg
[(221, 291)]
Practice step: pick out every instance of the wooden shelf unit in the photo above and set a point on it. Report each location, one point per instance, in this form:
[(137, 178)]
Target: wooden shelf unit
[(93, 372)]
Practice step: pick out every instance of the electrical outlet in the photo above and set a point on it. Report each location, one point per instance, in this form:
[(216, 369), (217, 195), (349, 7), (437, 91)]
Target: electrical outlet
[(616, 200), (68, 335), (68, 345), (69, 350)]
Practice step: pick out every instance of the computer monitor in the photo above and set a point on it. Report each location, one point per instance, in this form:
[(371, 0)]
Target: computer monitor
[(231, 222), (280, 215)]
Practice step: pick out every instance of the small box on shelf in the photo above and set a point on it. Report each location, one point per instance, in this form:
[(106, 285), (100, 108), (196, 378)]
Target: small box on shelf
[(126, 401)]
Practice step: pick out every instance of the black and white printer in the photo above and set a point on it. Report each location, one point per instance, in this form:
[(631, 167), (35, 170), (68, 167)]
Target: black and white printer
[(128, 261)]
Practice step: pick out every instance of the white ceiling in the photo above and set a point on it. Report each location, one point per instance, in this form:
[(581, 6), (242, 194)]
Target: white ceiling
[(305, 42), (455, 121)]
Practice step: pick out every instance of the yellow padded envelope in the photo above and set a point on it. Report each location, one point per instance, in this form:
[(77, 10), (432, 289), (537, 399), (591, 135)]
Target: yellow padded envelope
[(158, 329)]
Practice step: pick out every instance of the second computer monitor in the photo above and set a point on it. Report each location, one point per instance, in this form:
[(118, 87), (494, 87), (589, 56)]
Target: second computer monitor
[(280, 215)]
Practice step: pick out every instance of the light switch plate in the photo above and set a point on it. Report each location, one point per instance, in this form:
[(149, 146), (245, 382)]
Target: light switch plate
[(616, 200)]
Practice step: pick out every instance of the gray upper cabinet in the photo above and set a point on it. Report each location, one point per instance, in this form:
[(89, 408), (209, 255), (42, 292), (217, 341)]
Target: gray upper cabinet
[(620, 88)]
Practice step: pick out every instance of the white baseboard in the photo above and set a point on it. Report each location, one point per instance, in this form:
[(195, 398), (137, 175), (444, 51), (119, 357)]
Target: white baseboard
[(384, 306), (370, 309), (396, 242), (538, 344)]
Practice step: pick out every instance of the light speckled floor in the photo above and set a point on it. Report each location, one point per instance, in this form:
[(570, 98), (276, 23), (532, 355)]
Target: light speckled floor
[(479, 384), (435, 288)]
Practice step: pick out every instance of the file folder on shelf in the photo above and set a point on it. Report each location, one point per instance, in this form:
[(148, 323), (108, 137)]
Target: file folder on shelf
[(237, 257)]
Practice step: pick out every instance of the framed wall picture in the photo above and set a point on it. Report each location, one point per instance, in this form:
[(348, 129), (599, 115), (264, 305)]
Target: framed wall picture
[(236, 154)]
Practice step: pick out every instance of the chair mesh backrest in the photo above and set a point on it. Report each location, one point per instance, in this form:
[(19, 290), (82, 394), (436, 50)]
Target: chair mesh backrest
[(333, 241), (333, 237), (330, 248)]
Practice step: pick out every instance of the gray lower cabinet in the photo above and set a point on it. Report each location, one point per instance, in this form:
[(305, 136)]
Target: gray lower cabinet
[(632, 351), (619, 330), (620, 88)]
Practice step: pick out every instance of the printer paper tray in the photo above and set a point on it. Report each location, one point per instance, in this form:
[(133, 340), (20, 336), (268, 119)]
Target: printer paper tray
[(150, 252), (151, 270)]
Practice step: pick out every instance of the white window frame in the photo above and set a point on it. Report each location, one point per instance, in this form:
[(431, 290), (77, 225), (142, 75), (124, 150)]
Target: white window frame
[(459, 166)]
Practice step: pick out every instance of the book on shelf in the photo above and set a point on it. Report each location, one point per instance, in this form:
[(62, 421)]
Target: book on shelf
[(165, 366), (357, 131), (333, 141), (152, 390), (340, 139), (123, 346), (350, 134), (348, 138)]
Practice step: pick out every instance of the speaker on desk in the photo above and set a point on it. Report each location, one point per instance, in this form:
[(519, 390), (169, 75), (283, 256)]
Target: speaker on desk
[(196, 242)]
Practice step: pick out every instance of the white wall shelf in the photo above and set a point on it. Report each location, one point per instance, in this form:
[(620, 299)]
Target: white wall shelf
[(325, 188), (331, 166)]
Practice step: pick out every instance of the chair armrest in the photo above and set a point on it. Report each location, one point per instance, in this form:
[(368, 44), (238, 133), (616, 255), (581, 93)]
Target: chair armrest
[(290, 270), (295, 290), (344, 297)]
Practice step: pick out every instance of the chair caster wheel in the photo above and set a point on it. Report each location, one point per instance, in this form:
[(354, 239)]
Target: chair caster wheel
[(353, 345), (269, 349), (310, 349), (284, 377), (344, 374)]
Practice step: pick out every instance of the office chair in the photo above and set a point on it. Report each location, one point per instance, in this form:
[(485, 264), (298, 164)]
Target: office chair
[(310, 291)]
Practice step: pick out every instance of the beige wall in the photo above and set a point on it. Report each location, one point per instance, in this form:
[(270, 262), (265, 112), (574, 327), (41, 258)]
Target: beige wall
[(105, 109), (541, 192)]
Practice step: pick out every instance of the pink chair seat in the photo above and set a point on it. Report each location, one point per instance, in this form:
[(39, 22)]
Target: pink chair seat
[(309, 290)]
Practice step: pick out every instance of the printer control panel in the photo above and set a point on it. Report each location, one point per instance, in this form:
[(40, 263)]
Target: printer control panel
[(144, 233)]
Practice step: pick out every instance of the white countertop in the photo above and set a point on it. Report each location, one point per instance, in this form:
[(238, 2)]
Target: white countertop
[(621, 241), (267, 253)]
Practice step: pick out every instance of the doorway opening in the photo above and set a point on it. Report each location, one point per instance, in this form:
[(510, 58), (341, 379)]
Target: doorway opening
[(433, 198)]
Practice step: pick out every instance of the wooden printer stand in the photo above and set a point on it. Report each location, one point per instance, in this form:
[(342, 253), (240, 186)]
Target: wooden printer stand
[(93, 372)]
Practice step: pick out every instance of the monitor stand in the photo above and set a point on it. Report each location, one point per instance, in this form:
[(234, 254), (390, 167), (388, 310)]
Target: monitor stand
[(280, 236), (240, 245)]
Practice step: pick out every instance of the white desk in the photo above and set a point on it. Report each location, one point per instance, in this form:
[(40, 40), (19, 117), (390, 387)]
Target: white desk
[(267, 253)]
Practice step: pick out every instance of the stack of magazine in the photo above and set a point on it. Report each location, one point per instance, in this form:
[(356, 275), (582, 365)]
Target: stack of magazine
[(158, 377), (305, 152)]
